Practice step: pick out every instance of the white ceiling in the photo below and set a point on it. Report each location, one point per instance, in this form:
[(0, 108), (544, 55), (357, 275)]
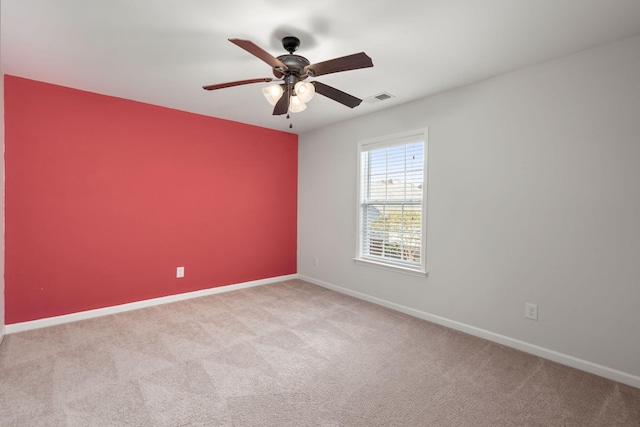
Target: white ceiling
[(162, 52)]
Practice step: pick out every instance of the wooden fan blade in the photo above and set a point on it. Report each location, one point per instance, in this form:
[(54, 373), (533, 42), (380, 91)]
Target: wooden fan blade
[(260, 53), (337, 95), (282, 106), (345, 63), (237, 83)]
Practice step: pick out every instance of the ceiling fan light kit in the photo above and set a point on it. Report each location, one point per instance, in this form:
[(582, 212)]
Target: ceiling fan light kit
[(272, 93), (293, 93), (305, 91), (296, 105)]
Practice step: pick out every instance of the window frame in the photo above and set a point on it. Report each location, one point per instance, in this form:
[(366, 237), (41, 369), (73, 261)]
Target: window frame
[(380, 143)]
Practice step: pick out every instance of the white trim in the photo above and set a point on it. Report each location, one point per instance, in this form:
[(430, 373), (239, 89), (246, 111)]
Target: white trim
[(391, 267), (564, 359), (89, 314), (3, 331), (401, 138), (574, 362)]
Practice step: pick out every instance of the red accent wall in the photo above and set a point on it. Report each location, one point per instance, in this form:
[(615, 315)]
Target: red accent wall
[(105, 197)]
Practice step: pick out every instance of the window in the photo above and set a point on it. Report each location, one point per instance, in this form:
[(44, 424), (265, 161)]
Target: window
[(392, 202)]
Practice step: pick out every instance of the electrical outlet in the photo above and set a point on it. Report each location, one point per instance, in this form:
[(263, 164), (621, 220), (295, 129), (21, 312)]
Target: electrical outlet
[(315, 261), (180, 272), (531, 311)]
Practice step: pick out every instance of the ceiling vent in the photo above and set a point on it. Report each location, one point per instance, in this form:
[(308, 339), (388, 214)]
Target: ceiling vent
[(379, 97)]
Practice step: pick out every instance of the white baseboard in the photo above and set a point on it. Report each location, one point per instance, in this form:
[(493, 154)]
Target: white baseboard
[(3, 331), (545, 353), (74, 317)]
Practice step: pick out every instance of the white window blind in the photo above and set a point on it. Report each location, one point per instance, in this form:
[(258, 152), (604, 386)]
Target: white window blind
[(392, 201)]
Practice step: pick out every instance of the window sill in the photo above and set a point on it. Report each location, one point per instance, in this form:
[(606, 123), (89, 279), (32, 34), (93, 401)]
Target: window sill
[(389, 267)]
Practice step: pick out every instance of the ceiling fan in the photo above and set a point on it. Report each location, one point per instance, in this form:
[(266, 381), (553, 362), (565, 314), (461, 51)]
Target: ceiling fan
[(292, 94)]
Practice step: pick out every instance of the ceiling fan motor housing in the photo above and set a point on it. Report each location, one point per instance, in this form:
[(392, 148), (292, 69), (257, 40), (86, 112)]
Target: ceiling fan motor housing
[(295, 65)]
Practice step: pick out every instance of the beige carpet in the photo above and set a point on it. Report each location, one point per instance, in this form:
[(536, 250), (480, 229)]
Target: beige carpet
[(289, 354)]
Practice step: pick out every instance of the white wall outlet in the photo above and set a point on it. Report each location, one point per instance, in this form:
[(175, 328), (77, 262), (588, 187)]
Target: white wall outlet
[(315, 261), (531, 311), (180, 272)]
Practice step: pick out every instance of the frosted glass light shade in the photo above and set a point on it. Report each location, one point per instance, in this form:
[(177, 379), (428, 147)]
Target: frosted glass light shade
[(296, 105), (272, 93), (305, 91)]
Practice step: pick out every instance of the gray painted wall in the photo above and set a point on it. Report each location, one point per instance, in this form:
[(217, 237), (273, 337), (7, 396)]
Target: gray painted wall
[(533, 196)]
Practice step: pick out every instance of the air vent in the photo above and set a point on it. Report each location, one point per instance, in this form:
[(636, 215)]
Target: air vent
[(379, 97)]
